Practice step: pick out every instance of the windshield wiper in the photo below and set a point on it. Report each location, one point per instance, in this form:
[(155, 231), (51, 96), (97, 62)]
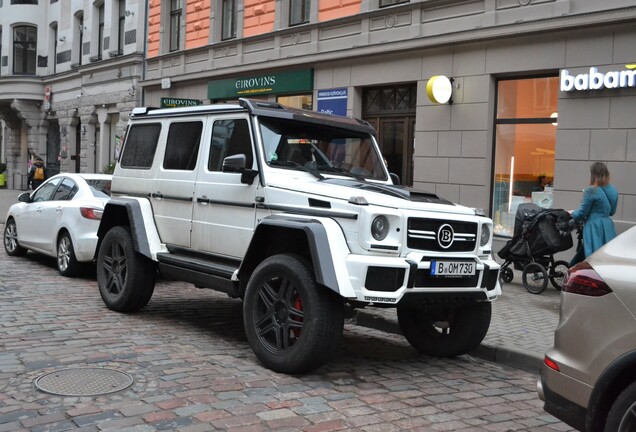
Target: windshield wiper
[(343, 172), (289, 163)]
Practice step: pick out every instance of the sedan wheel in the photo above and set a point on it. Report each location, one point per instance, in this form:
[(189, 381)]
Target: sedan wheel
[(67, 264), (11, 245)]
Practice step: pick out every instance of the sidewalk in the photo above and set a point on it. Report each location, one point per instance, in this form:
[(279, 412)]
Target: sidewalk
[(521, 330)]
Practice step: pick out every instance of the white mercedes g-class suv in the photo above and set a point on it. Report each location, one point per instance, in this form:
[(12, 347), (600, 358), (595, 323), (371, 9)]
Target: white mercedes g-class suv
[(295, 213)]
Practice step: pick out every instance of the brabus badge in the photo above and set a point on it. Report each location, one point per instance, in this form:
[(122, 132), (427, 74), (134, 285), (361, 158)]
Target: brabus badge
[(445, 236)]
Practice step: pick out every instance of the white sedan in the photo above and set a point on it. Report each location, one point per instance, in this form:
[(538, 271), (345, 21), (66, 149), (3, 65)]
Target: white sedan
[(59, 219)]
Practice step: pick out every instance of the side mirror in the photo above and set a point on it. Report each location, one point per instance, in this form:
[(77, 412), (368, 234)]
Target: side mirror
[(24, 197), (236, 163), (395, 178)]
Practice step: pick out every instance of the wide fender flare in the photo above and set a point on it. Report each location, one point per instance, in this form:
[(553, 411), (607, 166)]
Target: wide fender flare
[(327, 247), (136, 213)]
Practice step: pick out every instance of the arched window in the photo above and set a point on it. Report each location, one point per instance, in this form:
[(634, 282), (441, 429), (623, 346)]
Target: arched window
[(25, 39)]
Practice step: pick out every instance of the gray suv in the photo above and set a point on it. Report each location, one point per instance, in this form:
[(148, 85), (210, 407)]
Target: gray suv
[(295, 213)]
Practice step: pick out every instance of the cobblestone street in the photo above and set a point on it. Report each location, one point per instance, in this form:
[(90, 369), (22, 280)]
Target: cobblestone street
[(192, 369)]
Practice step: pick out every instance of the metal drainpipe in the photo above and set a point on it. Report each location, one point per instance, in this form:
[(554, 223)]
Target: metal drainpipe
[(143, 65)]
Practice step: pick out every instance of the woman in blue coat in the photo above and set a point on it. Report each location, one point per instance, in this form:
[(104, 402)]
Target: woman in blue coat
[(598, 204)]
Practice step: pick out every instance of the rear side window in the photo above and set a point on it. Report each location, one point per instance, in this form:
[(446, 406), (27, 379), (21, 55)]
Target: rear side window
[(65, 191), (182, 147), (141, 145)]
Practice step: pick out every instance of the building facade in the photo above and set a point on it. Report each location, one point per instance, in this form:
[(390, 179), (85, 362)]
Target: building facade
[(69, 73), (539, 89)]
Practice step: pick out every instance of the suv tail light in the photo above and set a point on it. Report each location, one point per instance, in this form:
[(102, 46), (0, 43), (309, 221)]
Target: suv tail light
[(91, 213), (582, 279)]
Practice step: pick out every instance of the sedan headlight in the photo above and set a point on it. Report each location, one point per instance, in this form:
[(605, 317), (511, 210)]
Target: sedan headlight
[(485, 235), (380, 228)]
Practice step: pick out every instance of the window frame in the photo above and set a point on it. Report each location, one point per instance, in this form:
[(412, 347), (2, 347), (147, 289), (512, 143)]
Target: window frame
[(174, 27), (25, 50), (304, 7), (228, 30)]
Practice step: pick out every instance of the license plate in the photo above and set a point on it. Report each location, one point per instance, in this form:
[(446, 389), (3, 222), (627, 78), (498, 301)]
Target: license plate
[(452, 268)]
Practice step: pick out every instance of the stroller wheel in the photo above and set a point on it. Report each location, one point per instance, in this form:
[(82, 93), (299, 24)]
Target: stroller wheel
[(557, 273), (506, 274), (535, 278)]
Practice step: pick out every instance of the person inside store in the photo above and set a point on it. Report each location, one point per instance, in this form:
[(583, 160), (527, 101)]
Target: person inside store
[(37, 173), (542, 182), (597, 206)]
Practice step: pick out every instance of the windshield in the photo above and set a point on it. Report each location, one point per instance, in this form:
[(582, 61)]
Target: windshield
[(304, 146)]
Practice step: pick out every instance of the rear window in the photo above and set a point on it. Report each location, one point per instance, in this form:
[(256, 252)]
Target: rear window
[(140, 146), (100, 188)]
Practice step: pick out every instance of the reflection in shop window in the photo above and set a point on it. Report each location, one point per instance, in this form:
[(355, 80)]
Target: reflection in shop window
[(300, 101), (525, 133)]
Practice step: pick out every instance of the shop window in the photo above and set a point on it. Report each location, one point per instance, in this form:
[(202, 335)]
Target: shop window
[(228, 23), (525, 134), (176, 11), (24, 50), (299, 101), (298, 12)]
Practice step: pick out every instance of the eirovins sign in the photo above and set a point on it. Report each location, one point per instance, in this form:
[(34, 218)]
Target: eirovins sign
[(268, 83)]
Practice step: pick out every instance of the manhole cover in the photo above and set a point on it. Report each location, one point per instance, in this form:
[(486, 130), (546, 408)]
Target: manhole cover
[(83, 382)]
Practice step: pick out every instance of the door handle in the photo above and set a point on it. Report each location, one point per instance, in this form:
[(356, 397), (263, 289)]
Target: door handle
[(203, 200), (157, 195)]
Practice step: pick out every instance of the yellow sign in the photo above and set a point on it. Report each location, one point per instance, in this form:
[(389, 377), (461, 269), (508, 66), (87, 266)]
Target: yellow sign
[(439, 89)]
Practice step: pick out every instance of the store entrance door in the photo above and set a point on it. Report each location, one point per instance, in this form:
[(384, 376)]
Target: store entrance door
[(391, 111)]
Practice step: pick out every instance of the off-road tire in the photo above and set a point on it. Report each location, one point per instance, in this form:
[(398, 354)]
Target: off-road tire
[(534, 278), (126, 279), (621, 415), (557, 273), (10, 237), (292, 324), (66, 261), (445, 330)]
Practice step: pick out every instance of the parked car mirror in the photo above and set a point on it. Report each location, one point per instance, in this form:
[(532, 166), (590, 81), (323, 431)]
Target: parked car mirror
[(24, 197), (234, 163)]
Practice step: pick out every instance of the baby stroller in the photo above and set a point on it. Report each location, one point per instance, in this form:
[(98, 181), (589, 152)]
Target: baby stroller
[(538, 234)]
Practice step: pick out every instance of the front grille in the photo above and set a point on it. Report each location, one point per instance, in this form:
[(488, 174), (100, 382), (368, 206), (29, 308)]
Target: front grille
[(385, 279), (422, 235)]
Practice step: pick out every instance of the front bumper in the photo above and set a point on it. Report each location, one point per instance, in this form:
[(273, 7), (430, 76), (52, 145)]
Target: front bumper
[(389, 280)]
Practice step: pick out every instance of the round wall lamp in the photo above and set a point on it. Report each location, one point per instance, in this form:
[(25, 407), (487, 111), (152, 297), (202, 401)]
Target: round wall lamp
[(440, 89)]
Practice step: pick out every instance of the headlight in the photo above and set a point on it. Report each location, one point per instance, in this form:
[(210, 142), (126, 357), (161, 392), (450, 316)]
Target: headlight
[(380, 228), (485, 235)]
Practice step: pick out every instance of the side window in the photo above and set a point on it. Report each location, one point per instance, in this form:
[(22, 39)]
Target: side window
[(46, 191), (182, 147), (140, 147), (65, 191), (230, 137)]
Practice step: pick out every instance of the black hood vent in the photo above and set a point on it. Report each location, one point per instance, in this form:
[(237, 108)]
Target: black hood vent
[(401, 192)]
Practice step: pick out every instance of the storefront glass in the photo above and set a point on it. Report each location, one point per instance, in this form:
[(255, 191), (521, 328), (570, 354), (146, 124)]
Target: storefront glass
[(525, 134), (299, 101)]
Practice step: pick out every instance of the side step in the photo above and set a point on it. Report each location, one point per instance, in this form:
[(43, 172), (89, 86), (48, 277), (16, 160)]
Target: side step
[(202, 272)]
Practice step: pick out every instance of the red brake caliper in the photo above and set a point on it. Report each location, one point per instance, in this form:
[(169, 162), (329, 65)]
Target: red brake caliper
[(298, 304)]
